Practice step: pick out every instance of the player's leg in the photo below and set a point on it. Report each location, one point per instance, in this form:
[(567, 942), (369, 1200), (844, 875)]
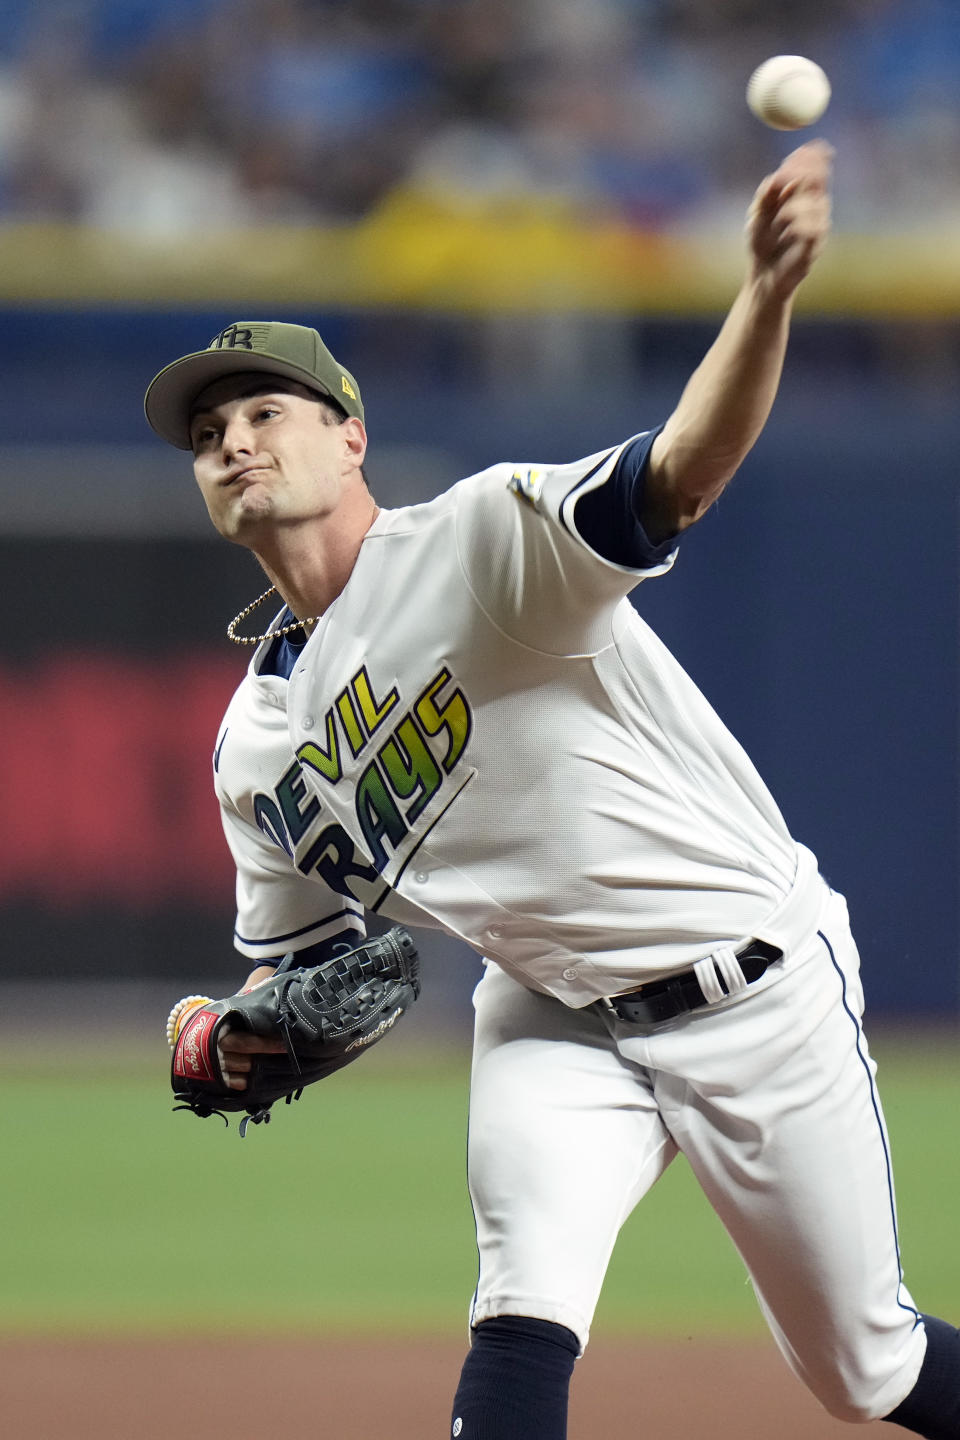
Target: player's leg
[(932, 1408), (515, 1381), (774, 1102), (564, 1139)]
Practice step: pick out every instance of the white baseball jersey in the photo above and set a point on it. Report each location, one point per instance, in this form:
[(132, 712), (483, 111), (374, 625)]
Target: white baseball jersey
[(482, 735)]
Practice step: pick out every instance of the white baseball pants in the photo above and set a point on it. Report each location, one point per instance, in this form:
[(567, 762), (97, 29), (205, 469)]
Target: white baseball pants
[(771, 1097)]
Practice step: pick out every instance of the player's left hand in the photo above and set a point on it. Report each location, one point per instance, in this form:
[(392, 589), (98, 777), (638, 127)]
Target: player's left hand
[(789, 219)]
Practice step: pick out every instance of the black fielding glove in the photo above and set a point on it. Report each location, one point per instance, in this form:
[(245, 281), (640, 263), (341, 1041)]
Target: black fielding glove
[(325, 1016)]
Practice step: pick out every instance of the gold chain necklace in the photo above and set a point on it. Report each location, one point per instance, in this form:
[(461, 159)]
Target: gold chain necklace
[(270, 635)]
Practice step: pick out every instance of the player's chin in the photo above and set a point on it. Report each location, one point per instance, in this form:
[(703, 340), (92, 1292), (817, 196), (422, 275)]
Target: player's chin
[(254, 503), (243, 519)]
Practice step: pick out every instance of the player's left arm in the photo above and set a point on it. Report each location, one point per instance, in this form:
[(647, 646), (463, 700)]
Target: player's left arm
[(728, 398)]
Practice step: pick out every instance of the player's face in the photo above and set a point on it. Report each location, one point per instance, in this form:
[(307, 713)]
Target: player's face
[(265, 455)]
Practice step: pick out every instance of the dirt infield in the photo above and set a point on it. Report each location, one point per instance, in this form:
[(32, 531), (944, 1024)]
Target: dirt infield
[(248, 1390)]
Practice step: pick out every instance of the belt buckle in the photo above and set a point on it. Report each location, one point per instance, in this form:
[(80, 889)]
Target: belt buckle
[(667, 1001)]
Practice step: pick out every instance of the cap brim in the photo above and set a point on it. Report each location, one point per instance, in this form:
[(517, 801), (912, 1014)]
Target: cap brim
[(170, 395)]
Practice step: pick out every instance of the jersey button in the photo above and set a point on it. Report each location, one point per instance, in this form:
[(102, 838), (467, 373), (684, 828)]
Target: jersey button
[(571, 974), (307, 722), (422, 876)]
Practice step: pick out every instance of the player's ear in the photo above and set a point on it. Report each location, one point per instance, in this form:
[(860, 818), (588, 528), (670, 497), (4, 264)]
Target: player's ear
[(354, 437)]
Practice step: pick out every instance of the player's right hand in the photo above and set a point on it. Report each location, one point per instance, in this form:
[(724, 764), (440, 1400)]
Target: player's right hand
[(789, 218), (234, 1049)]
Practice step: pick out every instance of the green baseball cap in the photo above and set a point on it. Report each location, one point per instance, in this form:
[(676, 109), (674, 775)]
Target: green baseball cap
[(270, 346)]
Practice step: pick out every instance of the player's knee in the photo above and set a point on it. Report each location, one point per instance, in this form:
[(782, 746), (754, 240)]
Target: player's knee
[(854, 1400), (853, 1403), (932, 1405), (847, 1407), (854, 1394)]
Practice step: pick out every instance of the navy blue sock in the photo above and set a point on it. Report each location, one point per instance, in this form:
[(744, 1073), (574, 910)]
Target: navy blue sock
[(932, 1408), (515, 1381)]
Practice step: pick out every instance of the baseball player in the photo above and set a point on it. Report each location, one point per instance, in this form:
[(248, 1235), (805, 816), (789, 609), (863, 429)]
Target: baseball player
[(457, 719)]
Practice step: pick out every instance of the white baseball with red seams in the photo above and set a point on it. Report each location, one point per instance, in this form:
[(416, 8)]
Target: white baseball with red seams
[(788, 92)]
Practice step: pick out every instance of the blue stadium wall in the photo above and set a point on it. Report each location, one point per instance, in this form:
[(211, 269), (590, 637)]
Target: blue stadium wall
[(816, 606)]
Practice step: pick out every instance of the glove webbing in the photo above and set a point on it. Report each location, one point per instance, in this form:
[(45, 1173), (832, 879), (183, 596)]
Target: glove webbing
[(343, 979)]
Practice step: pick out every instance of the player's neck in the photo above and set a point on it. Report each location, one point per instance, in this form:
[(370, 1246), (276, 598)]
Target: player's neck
[(311, 563)]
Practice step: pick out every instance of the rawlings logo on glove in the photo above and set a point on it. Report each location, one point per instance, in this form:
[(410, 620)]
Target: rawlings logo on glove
[(193, 1051), (325, 1016)]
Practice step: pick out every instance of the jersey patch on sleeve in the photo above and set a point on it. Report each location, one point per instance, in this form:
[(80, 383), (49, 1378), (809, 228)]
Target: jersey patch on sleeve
[(527, 485)]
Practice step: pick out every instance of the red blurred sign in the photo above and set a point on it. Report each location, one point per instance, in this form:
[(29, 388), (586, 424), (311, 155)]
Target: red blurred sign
[(106, 788)]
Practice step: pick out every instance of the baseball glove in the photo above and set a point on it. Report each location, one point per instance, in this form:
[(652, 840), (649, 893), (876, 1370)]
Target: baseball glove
[(326, 1016)]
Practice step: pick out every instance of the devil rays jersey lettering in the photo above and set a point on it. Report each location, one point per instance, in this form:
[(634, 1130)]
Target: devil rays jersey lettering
[(280, 836), (402, 777)]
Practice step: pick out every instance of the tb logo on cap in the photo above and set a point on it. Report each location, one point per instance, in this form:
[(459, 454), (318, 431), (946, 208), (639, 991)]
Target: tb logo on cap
[(232, 338)]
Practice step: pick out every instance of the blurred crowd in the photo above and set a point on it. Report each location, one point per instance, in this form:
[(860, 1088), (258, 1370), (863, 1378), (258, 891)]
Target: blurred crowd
[(176, 115)]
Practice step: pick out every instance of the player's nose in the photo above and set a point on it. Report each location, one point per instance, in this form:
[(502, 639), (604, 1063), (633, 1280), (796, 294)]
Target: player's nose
[(237, 440)]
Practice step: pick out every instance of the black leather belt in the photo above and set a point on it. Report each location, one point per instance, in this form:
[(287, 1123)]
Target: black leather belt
[(663, 999)]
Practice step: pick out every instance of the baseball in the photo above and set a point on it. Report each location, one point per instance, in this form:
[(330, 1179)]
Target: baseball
[(788, 92)]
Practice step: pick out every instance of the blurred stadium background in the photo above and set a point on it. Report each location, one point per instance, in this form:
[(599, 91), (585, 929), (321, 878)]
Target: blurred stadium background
[(518, 224)]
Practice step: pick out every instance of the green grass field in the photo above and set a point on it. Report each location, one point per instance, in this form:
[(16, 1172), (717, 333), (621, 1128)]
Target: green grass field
[(349, 1211)]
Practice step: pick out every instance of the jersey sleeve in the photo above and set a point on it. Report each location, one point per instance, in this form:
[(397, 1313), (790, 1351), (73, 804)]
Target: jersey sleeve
[(279, 910), (608, 517), (549, 551)]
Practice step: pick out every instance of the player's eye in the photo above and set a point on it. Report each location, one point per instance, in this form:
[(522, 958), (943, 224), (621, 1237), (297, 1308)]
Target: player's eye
[(204, 437), (267, 412)]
